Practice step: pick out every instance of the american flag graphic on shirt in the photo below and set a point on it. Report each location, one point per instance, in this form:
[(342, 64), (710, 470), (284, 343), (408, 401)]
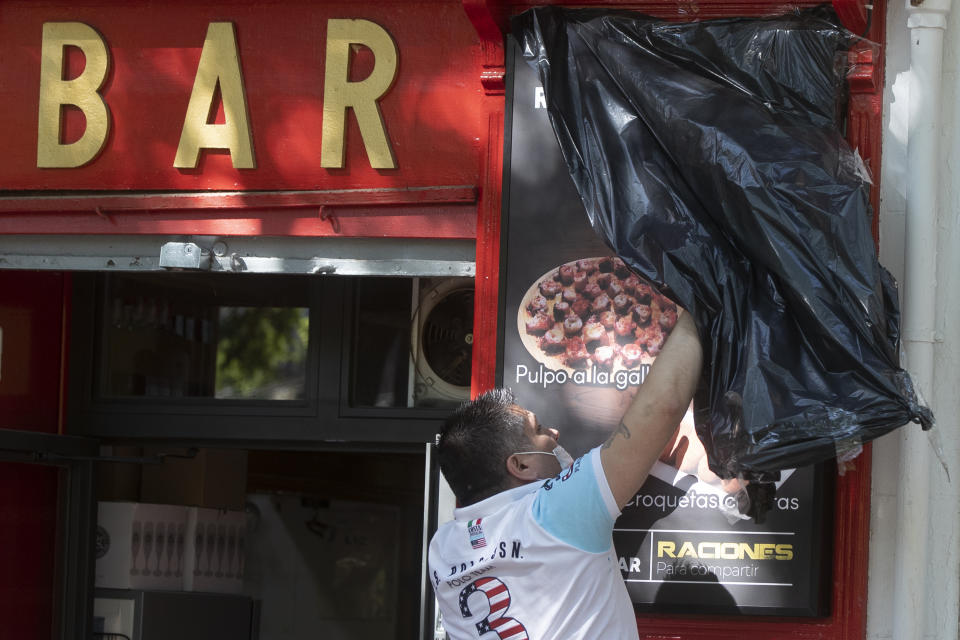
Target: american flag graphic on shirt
[(477, 541), (498, 599)]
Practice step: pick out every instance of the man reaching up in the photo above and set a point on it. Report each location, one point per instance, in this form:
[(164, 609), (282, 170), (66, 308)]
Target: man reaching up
[(530, 553)]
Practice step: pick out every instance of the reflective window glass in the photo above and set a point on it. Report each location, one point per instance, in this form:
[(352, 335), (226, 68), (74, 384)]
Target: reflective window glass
[(237, 337)]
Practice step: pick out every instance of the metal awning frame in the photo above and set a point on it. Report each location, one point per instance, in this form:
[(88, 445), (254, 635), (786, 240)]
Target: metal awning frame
[(236, 254)]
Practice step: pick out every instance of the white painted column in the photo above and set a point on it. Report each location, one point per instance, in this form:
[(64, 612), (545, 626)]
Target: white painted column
[(927, 22)]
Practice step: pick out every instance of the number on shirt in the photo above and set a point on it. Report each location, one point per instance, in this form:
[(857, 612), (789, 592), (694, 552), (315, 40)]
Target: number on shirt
[(498, 597)]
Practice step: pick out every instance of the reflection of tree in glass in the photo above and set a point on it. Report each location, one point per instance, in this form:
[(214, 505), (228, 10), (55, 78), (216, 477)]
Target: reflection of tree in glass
[(261, 352)]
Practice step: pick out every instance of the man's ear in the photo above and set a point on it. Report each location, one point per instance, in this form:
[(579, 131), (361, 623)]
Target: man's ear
[(520, 470)]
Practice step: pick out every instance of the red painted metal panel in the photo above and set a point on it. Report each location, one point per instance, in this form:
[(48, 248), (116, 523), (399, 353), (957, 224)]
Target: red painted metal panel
[(452, 221), (28, 504), (427, 212), (433, 114), (31, 320), (110, 203)]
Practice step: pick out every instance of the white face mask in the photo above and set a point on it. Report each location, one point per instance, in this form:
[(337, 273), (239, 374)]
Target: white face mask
[(564, 458)]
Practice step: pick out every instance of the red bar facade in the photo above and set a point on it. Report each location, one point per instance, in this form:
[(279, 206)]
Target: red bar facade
[(418, 156)]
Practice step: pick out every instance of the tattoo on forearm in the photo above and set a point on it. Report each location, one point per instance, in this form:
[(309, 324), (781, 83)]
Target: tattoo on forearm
[(621, 430)]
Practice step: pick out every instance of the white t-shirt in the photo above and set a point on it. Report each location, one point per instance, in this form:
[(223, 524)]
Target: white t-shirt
[(535, 563)]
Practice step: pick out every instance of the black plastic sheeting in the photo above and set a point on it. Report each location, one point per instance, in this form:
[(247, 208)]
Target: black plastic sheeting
[(709, 156)]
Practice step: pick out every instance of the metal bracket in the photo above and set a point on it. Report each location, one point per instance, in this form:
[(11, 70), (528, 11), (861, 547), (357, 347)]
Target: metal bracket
[(183, 255)]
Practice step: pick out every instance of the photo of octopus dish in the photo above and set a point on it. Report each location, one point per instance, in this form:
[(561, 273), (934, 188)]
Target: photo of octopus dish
[(594, 312)]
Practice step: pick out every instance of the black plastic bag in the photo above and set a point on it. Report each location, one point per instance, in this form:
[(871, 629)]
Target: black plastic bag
[(709, 156)]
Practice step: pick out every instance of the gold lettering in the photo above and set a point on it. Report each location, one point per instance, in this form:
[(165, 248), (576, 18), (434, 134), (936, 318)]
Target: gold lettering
[(784, 552), (219, 64), (81, 92), (362, 96), (725, 550)]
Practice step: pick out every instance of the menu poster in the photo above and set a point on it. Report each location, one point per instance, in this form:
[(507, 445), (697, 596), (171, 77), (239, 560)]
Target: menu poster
[(578, 333)]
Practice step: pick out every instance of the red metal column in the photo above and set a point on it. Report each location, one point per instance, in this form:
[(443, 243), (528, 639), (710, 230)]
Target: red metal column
[(489, 205)]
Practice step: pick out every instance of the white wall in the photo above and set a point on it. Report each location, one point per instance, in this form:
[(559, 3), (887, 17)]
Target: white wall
[(943, 529)]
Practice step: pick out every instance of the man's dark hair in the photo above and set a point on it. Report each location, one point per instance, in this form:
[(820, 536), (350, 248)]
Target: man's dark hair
[(476, 441)]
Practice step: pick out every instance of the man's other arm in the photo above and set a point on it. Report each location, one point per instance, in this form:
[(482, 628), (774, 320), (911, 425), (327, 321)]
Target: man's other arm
[(656, 410)]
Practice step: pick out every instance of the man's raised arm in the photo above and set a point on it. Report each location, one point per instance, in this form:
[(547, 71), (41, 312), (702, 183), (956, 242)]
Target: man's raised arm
[(656, 411)]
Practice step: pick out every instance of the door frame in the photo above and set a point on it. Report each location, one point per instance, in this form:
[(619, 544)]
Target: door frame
[(76, 520)]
